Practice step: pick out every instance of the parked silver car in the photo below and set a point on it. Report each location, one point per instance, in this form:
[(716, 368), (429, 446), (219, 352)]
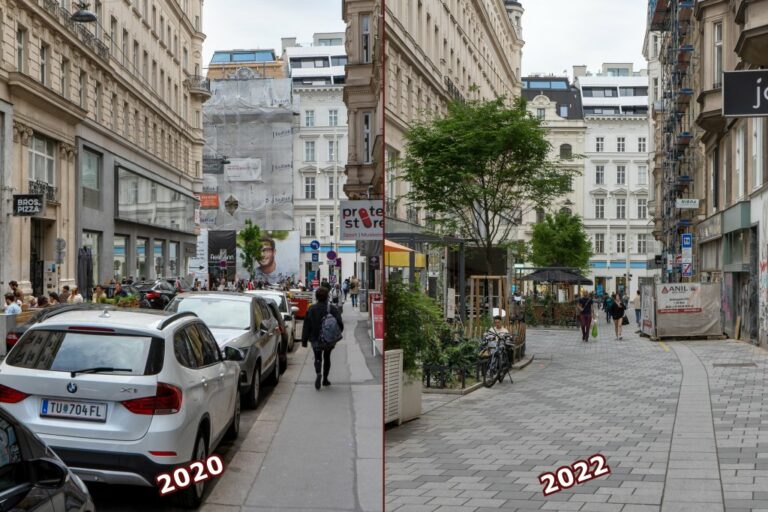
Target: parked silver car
[(286, 310), (244, 322)]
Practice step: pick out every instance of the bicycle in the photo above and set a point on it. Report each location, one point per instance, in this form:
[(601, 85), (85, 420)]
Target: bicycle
[(496, 348)]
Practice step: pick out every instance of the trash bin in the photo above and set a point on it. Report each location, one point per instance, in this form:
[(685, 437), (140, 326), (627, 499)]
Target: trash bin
[(362, 300)]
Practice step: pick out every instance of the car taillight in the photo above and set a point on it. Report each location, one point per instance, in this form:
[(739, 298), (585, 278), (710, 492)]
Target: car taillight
[(152, 295), (10, 395), (11, 338), (167, 400)]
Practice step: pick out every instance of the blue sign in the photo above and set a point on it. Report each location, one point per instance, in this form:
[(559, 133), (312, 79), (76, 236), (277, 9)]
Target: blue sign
[(315, 245), (315, 257), (687, 240)]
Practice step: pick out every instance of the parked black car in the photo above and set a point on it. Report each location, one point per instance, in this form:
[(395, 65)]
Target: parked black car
[(155, 294), (33, 477), (129, 289)]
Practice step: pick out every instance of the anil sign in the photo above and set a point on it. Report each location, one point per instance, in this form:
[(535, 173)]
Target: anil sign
[(678, 298), (745, 93), (362, 220)]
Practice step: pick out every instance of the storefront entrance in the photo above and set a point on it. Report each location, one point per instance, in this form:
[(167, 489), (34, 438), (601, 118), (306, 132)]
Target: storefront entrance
[(37, 257)]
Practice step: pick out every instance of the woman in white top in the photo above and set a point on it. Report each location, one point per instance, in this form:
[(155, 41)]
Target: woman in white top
[(75, 297)]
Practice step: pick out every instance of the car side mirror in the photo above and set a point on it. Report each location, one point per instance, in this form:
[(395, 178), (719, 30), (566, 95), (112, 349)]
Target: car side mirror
[(294, 310), (264, 326), (233, 354), (48, 473)]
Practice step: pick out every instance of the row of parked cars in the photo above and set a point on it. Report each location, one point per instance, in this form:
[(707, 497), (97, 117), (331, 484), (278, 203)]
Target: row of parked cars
[(121, 395)]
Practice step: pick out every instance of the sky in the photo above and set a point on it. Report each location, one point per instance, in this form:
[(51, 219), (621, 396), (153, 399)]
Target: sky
[(558, 33)]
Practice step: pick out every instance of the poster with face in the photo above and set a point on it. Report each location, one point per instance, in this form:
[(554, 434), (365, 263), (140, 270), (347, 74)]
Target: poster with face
[(279, 257)]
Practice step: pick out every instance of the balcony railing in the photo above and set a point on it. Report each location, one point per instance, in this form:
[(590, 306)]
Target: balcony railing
[(49, 192), (391, 207), (198, 84), (78, 29)]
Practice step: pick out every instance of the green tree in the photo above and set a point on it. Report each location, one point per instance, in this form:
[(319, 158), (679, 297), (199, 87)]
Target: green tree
[(249, 242), (480, 167), (560, 241)]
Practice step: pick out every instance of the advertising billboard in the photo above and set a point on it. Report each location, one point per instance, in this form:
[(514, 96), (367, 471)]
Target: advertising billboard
[(362, 220)]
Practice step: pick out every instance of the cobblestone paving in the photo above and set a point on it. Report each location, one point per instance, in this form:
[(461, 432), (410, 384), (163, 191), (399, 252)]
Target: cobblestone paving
[(485, 451)]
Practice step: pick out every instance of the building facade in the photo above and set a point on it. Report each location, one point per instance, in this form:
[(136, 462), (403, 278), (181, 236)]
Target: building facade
[(616, 177), (104, 121), (245, 64), (320, 152), (557, 103)]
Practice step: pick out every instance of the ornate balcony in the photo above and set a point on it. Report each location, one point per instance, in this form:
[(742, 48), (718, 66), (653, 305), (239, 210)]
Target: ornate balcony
[(199, 85), (49, 192), (85, 36)]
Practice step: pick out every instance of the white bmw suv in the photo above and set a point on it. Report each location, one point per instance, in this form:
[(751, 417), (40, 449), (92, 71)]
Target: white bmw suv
[(124, 395)]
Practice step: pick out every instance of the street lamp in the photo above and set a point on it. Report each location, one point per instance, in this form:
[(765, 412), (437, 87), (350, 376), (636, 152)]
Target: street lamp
[(83, 14)]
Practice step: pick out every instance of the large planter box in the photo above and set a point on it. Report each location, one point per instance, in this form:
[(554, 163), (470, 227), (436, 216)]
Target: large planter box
[(410, 407)]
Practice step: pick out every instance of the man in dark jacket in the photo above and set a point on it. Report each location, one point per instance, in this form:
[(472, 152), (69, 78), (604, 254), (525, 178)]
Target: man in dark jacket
[(313, 322)]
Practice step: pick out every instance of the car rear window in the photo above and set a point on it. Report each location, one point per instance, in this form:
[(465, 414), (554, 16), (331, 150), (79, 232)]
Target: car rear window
[(65, 351), (216, 312), (279, 300)]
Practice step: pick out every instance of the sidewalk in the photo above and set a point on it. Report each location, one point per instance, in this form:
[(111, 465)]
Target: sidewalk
[(309, 449)]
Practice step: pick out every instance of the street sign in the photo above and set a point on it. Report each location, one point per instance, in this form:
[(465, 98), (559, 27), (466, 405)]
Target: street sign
[(678, 259), (338, 262), (686, 204), (315, 245), (374, 261), (687, 269), (315, 257), (28, 204), (745, 93), (687, 240), (331, 255)]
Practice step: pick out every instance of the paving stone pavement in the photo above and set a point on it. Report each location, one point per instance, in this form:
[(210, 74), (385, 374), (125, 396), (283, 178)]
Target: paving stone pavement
[(678, 433)]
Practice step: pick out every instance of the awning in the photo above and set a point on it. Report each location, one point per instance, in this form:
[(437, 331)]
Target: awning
[(556, 276), (390, 246)]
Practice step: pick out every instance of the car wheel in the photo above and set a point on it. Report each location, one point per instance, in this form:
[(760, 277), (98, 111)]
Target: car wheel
[(274, 377), (234, 428), (252, 397), (192, 496)]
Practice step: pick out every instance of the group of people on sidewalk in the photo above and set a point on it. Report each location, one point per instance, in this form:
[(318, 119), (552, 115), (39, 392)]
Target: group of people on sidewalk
[(615, 308)]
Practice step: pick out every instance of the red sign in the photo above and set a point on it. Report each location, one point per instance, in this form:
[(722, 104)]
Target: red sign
[(209, 201), (377, 314), (315, 284)]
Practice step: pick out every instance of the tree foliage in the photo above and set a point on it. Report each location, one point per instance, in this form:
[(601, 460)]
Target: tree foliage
[(560, 241), (249, 242), (480, 167)]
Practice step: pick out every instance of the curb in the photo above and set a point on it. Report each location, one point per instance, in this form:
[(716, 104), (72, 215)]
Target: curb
[(522, 364), (461, 392)]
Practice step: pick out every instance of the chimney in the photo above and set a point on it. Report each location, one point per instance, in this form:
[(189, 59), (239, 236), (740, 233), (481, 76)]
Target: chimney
[(579, 71), (288, 42)]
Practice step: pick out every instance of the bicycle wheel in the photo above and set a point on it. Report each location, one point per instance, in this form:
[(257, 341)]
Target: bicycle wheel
[(503, 367), (491, 371)]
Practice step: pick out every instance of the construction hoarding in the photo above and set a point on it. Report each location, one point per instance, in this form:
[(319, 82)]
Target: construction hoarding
[(687, 309)]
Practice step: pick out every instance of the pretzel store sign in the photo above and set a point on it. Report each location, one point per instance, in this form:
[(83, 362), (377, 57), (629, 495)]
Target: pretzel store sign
[(362, 220)]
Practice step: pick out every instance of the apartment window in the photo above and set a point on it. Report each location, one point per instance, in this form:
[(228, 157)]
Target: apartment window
[(309, 151), (154, 18), (621, 174), (113, 34), (642, 145), (185, 59), (563, 111), (600, 208), (642, 175), (600, 175), (540, 215), (331, 188), (136, 52), (717, 79), (21, 49), (655, 47), (154, 74), (330, 225), (740, 136), (541, 113), (642, 208), (126, 119), (715, 178), (757, 150), (333, 117), (99, 101), (64, 85), (365, 32), (642, 244), (621, 208), (621, 243), (309, 118), (655, 89), (83, 88), (42, 159), (599, 245), (90, 179), (146, 133), (367, 137), (599, 144), (620, 144), (309, 227), (162, 84), (331, 151), (566, 151), (136, 125), (125, 47), (44, 65), (309, 187)]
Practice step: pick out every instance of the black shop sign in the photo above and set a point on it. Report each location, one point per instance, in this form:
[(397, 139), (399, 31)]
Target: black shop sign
[(745, 93), (28, 204)]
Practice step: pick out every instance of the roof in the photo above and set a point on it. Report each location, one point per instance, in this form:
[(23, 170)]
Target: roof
[(122, 318), (242, 56), (557, 89)]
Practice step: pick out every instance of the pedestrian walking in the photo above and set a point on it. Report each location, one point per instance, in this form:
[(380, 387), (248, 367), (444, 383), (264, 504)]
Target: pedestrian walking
[(345, 288), (607, 303), (11, 308), (586, 309), (636, 306), (617, 314), (335, 294), (311, 332), (354, 288)]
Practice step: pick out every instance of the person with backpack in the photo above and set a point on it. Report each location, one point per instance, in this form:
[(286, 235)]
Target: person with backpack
[(322, 327)]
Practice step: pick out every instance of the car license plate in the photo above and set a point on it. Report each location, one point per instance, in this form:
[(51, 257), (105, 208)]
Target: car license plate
[(88, 411)]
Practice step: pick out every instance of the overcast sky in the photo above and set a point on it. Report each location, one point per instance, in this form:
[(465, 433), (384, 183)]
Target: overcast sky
[(557, 33)]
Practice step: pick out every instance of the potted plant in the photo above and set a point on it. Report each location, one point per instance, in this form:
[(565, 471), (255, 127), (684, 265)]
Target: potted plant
[(415, 324)]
